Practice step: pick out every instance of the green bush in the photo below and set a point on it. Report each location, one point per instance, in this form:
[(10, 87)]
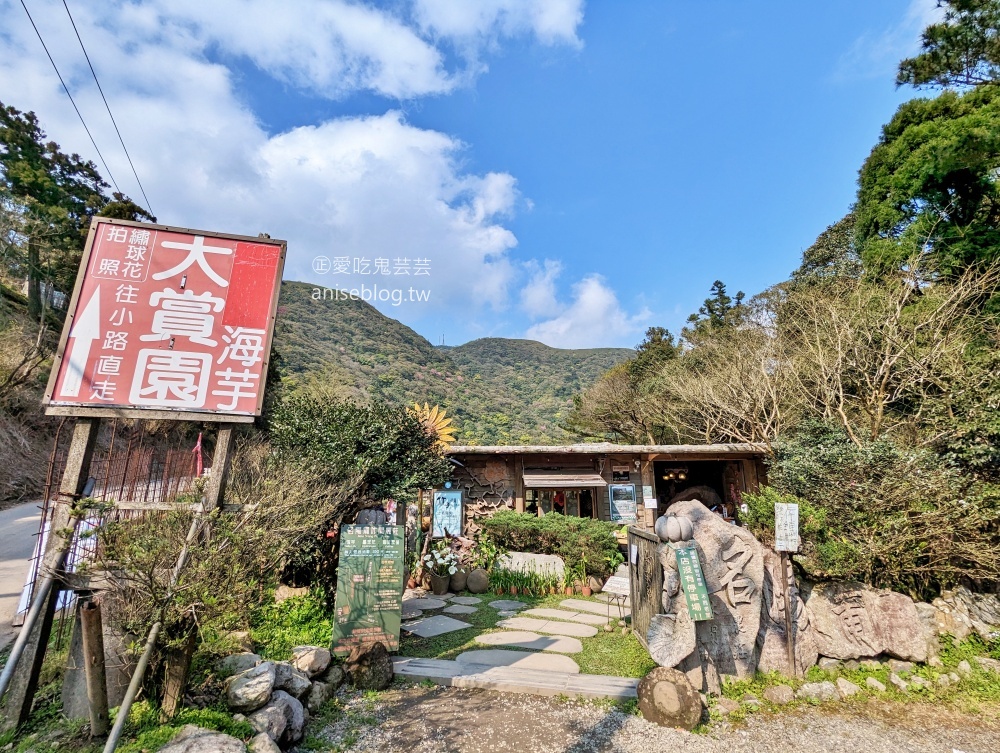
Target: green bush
[(574, 539)]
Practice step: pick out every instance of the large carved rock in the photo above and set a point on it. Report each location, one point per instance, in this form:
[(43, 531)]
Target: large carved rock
[(852, 621), (772, 645), (668, 699)]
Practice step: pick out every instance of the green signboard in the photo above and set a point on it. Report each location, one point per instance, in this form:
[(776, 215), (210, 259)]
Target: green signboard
[(369, 587), (693, 583)]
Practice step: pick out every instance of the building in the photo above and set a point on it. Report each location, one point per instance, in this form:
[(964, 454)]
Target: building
[(621, 483)]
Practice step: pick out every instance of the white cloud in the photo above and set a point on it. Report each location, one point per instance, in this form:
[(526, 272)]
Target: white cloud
[(593, 318), (539, 296), (551, 21), (878, 54)]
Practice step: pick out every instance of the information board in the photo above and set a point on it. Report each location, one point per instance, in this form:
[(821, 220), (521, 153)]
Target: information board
[(786, 526), (369, 587), (616, 584), (447, 514), (621, 498), (693, 582)]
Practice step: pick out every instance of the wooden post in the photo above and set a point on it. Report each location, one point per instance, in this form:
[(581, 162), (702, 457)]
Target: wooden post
[(789, 636), (92, 631), (63, 522), (221, 460), (178, 665), (648, 479)]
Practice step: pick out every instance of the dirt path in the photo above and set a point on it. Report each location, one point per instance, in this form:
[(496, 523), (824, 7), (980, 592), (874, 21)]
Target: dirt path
[(445, 720)]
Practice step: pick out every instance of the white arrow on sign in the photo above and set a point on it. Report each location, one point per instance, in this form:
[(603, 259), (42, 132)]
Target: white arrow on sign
[(86, 329)]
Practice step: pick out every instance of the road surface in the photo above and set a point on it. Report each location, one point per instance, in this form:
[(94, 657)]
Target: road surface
[(18, 526)]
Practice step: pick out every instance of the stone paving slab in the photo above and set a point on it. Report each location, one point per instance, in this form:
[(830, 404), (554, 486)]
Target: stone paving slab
[(508, 613), (549, 627), (423, 603), (515, 680), (498, 657), (467, 600), (508, 605), (428, 627), (410, 613), (561, 614), (579, 605), (459, 609), (524, 639)]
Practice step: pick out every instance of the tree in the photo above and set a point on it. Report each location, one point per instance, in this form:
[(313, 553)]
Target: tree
[(717, 311), (833, 254), (658, 347), (961, 50)]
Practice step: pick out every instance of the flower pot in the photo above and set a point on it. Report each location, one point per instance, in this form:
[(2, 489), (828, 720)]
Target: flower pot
[(459, 580), (439, 584), (568, 590), (478, 581), (513, 590), (587, 590)]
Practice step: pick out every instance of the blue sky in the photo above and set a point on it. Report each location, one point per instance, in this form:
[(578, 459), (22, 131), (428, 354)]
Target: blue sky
[(574, 172)]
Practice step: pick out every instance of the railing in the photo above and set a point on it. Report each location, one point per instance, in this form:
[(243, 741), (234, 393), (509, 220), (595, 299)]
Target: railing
[(645, 578)]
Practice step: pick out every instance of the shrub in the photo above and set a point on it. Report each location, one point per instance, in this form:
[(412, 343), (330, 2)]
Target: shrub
[(573, 539)]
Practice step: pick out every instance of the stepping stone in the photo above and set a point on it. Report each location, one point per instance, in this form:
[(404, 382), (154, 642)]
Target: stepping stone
[(424, 603), (558, 645), (428, 627), (409, 613), (561, 614), (508, 613), (579, 605), (551, 627), (520, 660), (467, 600), (508, 605), (459, 609)]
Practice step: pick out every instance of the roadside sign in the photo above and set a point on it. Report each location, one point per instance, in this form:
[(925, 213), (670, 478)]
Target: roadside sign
[(786, 526), (693, 582), (167, 322), (369, 599)]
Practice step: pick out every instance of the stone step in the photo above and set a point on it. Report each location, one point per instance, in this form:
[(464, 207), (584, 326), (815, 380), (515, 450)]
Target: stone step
[(499, 657), (579, 605), (429, 627), (549, 627), (562, 614), (507, 605), (519, 639), (424, 602), (460, 609), (466, 600), (515, 680)]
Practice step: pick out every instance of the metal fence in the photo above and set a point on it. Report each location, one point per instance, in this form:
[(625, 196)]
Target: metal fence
[(646, 580)]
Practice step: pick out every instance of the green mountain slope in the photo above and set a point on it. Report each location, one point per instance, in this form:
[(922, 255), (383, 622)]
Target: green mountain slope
[(499, 391)]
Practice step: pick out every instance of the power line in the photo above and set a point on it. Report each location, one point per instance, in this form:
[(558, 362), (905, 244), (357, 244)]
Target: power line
[(66, 89), (83, 47)]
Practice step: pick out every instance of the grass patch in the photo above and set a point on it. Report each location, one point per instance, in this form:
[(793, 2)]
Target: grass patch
[(276, 629)]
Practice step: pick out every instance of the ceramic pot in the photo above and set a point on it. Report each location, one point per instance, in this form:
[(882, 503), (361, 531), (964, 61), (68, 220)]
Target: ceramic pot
[(587, 590), (439, 584), (459, 580), (478, 581)]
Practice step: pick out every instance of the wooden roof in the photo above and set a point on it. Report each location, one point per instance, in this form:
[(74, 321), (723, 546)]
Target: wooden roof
[(606, 448)]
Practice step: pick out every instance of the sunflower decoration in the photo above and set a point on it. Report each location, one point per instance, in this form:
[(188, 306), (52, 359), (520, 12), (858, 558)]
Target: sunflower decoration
[(436, 423)]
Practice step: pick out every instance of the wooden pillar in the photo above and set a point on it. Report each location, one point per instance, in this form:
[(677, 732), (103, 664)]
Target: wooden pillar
[(221, 460), (518, 472), (648, 479), (62, 527), (92, 631)]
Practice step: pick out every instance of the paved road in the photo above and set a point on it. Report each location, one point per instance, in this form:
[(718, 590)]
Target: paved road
[(18, 526)]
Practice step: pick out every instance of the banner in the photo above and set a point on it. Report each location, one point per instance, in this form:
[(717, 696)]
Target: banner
[(693, 582)]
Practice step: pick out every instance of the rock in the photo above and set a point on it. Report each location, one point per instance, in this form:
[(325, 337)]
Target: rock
[(751, 703), (873, 664), (954, 677), (192, 739), (944, 681), (779, 694), (334, 676), (818, 691), (596, 584), (671, 638), (900, 666), (964, 668), (287, 677), (961, 613), (262, 743), (282, 719), (989, 665), (370, 668), (846, 688), (236, 663), (667, 698), (283, 593), (526, 562), (311, 660), (727, 706), (852, 620), (918, 681), (478, 581), (935, 661), (250, 689), (852, 665), (874, 684), (319, 694), (828, 663), (898, 682), (928, 619), (240, 638)]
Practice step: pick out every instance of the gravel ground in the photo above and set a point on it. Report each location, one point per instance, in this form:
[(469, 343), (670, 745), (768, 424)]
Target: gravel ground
[(445, 720)]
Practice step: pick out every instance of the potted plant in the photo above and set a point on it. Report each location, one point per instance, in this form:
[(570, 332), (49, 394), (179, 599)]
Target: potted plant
[(441, 564)]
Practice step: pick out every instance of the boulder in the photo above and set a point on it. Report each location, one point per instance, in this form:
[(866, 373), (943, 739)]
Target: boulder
[(846, 688), (961, 612), (236, 663), (852, 620), (896, 665), (779, 694), (828, 663), (667, 698), (262, 743), (988, 665), (964, 668), (727, 705), (192, 739), (818, 691), (478, 581), (898, 682), (334, 676), (311, 660), (370, 668), (283, 593), (874, 684), (282, 719), (526, 562), (288, 678), (250, 689), (771, 639), (318, 695)]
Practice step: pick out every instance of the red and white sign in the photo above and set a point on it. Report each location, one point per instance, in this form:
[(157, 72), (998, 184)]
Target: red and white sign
[(168, 319)]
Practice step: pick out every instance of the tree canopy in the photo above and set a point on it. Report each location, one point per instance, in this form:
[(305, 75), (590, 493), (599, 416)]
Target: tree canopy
[(962, 50)]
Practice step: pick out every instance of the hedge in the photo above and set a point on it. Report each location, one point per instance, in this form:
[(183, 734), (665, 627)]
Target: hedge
[(573, 539)]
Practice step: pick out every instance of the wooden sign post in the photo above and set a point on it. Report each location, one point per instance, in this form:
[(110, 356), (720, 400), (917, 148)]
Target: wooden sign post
[(786, 540)]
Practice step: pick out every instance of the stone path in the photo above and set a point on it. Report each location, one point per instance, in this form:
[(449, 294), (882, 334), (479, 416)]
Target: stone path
[(520, 660), (466, 600), (579, 605), (429, 627), (423, 602), (551, 627), (515, 680), (507, 605), (561, 614), (525, 639), (459, 609)]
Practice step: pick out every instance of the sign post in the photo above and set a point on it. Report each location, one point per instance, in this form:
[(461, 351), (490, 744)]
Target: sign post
[(369, 600), (786, 539)]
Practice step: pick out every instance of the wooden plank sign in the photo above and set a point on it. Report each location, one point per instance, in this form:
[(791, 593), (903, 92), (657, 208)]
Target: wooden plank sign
[(786, 526), (369, 599), (693, 582)]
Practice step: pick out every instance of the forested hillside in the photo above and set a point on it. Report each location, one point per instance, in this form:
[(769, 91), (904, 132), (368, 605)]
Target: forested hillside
[(500, 391)]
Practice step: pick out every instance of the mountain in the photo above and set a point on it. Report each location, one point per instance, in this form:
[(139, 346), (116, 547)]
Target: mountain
[(499, 391)]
